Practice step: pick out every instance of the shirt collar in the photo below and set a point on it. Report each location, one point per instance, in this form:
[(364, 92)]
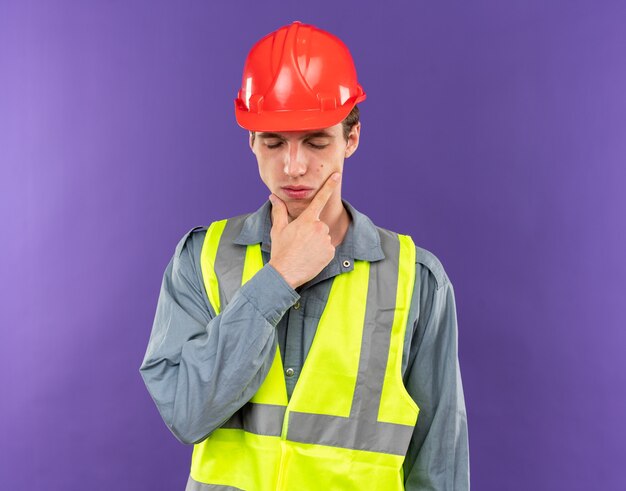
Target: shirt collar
[(361, 241)]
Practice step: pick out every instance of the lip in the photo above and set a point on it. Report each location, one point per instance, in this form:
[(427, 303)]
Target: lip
[(297, 192)]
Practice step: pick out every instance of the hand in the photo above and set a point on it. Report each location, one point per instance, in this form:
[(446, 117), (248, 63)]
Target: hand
[(302, 248)]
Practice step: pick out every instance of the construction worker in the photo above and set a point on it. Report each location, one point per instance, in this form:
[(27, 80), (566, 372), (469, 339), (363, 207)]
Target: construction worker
[(301, 347)]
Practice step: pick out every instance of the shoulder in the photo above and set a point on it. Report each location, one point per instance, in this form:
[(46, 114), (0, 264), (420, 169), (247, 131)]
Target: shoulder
[(190, 240), (425, 261), (193, 239)]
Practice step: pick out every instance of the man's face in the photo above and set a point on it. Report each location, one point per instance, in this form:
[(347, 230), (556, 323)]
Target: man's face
[(294, 165)]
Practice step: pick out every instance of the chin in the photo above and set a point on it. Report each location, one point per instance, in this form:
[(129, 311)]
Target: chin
[(297, 205), (295, 208)]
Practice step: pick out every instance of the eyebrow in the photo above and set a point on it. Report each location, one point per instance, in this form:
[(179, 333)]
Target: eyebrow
[(316, 134)]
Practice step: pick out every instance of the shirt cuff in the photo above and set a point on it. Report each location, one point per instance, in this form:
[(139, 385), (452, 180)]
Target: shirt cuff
[(270, 293)]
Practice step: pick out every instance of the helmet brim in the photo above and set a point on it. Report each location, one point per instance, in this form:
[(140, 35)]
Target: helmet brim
[(293, 120)]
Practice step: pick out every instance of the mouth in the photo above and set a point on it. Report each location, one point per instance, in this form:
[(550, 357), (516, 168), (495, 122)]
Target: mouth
[(297, 192)]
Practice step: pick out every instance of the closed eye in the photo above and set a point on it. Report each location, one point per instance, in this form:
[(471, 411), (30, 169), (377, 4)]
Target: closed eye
[(276, 145), (317, 146)]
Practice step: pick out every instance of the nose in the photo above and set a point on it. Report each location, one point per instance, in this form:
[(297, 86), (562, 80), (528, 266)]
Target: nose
[(295, 165)]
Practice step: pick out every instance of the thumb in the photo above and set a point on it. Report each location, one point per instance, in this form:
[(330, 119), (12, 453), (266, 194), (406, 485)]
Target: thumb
[(280, 217)]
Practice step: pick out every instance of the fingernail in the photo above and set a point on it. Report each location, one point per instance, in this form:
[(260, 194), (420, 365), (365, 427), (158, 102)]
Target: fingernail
[(336, 177), (271, 198)]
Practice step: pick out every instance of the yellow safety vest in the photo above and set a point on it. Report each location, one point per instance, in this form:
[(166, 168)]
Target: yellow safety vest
[(350, 419)]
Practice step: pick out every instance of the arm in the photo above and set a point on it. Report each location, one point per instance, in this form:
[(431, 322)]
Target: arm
[(201, 368), (438, 455)]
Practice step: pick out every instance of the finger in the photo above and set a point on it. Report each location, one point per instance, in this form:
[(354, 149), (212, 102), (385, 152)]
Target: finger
[(321, 198), (280, 217)]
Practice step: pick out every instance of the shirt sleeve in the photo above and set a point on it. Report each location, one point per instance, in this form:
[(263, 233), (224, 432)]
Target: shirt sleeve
[(438, 455), (200, 368)]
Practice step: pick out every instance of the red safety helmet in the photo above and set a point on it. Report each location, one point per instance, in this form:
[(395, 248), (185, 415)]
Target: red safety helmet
[(297, 78)]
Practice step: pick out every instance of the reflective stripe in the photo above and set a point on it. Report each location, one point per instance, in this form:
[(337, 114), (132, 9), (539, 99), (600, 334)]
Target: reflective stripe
[(336, 431), (260, 419), (229, 260), (207, 263), (362, 430), (381, 302), (193, 485)]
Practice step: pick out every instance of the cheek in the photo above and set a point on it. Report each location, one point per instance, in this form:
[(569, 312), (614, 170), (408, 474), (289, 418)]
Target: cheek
[(327, 166), (265, 173)]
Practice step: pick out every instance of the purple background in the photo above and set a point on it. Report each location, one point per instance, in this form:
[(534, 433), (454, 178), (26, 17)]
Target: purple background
[(493, 132)]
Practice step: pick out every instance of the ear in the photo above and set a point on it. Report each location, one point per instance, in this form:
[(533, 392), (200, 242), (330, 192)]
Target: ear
[(251, 141), (353, 139)]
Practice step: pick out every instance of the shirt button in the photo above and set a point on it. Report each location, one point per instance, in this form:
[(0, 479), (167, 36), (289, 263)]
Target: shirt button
[(289, 372), (297, 305), (346, 264)]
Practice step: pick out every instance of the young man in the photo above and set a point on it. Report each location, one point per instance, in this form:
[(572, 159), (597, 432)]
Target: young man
[(296, 345)]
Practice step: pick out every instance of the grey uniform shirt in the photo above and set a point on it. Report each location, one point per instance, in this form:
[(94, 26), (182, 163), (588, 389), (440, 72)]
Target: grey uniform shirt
[(200, 368)]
